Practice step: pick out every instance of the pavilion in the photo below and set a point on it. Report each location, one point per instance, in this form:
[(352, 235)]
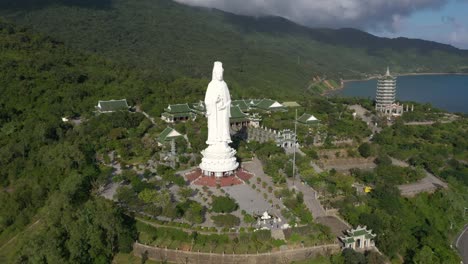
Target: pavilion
[(112, 106)]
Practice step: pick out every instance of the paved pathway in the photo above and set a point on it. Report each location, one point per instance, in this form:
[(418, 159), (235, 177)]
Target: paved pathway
[(365, 116), (310, 198), (427, 184), (110, 190), (255, 166), (250, 200), (316, 167), (336, 225), (447, 118), (138, 109), (461, 243)]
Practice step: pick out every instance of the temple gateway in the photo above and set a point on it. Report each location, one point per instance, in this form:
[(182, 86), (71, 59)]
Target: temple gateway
[(359, 239)]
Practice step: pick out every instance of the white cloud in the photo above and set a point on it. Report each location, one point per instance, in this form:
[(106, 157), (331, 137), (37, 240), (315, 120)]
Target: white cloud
[(459, 37), (365, 14)]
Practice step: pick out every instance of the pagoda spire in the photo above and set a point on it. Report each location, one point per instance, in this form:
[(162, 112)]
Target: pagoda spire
[(388, 71)]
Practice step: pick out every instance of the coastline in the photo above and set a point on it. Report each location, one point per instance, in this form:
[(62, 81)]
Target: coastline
[(343, 82)]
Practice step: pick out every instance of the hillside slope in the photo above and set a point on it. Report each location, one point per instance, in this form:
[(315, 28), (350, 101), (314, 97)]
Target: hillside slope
[(48, 166), (262, 55)]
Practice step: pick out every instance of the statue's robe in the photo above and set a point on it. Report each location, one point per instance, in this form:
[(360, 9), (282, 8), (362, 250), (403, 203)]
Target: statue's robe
[(218, 112)]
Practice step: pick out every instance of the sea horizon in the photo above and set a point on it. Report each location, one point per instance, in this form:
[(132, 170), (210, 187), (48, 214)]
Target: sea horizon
[(445, 91)]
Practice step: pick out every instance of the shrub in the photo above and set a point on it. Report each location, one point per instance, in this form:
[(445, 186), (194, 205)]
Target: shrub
[(383, 160), (222, 204), (226, 220), (365, 150)]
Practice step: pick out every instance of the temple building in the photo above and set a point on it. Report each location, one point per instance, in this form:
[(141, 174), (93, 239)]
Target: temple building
[(177, 112), (168, 135), (269, 105), (386, 94), (285, 138), (291, 104), (238, 118), (112, 106), (244, 105), (308, 119), (358, 239)]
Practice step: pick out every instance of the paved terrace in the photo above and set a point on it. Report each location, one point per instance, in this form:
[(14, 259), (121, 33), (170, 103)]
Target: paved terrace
[(430, 183)]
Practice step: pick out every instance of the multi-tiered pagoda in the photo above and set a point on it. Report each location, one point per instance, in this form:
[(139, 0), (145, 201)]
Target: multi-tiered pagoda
[(386, 93)]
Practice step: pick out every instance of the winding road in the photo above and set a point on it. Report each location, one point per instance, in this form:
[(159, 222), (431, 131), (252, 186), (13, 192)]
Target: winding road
[(461, 243)]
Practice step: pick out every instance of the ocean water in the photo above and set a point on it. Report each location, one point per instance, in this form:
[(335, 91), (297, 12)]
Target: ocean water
[(448, 92)]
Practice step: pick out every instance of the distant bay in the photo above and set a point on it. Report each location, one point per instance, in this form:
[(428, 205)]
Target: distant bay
[(448, 92)]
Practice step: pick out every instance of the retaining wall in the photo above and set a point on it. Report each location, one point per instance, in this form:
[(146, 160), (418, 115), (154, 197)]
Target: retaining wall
[(285, 256)]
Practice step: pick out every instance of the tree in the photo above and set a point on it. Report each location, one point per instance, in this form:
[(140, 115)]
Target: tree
[(195, 213), (185, 193), (148, 196), (365, 150), (353, 257), (383, 160), (425, 256), (226, 220), (91, 233), (223, 204), (161, 198), (373, 257)]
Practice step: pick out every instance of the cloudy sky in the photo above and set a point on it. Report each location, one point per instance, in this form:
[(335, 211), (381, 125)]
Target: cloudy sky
[(444, 21)]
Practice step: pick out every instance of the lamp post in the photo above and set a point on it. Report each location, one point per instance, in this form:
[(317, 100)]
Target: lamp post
[(294, 149)]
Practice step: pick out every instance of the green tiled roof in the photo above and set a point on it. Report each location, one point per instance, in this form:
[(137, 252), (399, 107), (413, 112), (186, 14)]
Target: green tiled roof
[(238, 115), (166, 134), (177, 115), (348, 240), (112, 105), (307, 119), (359, 233), (178, 108), (253, 102), (198, 107), (267, 104), (242, 104), (291, 104), (236, 112)]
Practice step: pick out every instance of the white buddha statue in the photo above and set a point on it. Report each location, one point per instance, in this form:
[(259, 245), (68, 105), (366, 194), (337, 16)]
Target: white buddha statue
[(218, 158), (218, 107)]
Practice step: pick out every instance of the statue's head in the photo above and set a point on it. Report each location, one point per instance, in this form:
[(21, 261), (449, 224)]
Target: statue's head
[(218, 71)]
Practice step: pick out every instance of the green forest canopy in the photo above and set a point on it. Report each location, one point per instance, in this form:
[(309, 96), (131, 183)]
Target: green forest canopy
[(267, 55)]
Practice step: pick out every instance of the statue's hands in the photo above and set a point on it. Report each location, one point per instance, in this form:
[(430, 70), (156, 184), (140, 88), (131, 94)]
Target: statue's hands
[(222, 107)]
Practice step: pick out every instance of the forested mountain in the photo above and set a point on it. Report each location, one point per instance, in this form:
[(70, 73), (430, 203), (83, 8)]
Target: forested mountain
[(49, 174), (264, 56), (46, 163)]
